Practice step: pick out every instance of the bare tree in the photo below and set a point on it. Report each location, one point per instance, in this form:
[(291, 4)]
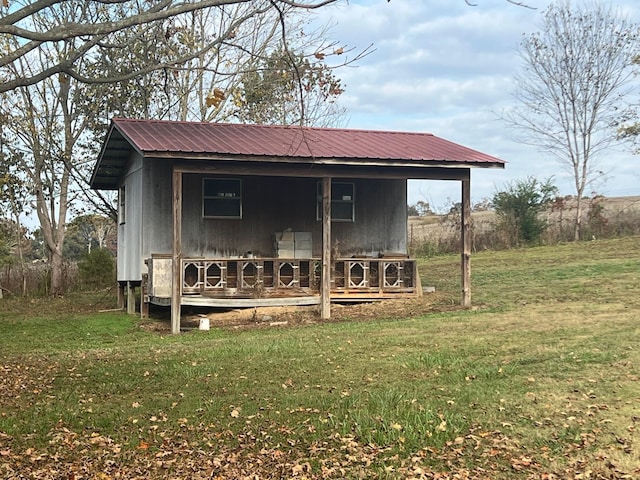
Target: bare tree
[(99, 22), (206, 87), (575, 73), (44, 133), (12, 199), (45, 124), (92, 229)]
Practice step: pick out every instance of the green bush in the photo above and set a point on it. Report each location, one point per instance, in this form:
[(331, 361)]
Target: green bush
[(97, 269), (519, 206)]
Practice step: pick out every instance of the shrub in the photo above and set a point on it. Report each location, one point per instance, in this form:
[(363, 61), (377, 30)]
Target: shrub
[(519, 206), (97, 269)]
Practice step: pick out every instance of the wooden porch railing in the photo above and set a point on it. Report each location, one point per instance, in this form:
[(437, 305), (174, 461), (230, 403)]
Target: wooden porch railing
[(373, 276), (248, 277), (266, 277)]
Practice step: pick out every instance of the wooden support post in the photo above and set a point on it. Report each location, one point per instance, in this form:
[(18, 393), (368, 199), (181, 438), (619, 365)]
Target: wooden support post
[(325, 291), (121, 300), (466, 243), (417, 283), (131, 298), (144, 296), (176, 257)]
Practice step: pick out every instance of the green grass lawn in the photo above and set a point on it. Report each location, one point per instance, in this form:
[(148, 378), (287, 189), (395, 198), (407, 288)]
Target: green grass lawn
[(538, 380)]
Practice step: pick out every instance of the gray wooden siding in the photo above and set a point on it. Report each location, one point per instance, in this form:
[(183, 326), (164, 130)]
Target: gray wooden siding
[(269, 204), (157, 225), (130, 261), (381, 220), (272, 204)]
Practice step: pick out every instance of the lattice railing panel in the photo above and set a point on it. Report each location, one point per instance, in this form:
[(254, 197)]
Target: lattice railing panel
[(256, 276)]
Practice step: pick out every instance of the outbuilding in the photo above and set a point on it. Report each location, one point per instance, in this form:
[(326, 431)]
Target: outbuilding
[(234, 215)]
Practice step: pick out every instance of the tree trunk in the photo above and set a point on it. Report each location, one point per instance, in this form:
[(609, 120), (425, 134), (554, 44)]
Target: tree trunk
[(57, 274), (578, 223)]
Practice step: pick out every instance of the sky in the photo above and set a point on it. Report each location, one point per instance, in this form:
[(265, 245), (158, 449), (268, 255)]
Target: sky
[(443, 67)]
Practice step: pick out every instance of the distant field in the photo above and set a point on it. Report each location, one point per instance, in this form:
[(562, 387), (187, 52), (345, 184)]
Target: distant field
[(616, 211), (539, 380)]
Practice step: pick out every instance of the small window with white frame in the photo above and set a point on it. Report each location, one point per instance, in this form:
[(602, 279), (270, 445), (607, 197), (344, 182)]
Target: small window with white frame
[(121, 205), (222, 198), (342, 202)]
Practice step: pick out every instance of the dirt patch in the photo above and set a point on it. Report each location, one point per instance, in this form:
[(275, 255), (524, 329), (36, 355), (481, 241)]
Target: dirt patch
[(291, 316)]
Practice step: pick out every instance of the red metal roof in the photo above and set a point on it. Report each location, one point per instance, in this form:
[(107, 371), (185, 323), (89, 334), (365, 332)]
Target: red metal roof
[(169, 139), (152, 136)]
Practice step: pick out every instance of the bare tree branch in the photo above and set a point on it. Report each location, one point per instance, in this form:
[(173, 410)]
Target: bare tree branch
[(86, 36)]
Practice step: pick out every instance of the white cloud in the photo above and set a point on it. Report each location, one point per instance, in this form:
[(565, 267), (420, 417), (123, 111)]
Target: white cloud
[(443, 67)]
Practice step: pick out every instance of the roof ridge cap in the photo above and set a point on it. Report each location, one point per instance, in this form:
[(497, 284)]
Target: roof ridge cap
[(268, 126)]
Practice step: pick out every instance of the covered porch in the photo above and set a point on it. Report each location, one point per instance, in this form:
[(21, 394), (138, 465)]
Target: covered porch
[(270, 281)]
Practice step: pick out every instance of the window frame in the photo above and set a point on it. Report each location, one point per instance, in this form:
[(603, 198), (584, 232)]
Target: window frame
[(224, 196), (337, 201)]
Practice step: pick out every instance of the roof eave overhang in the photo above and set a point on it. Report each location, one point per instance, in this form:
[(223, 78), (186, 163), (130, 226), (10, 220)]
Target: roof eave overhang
[(305, 169), (328, 161), (114, 155), (117, 149)]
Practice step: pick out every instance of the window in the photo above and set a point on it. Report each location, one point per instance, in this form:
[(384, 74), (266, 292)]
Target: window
[(222, 198), (342, 202), (121, 204)]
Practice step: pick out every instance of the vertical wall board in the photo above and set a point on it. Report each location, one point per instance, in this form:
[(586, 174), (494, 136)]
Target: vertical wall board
[(273, 204), (157, 214), (129, 260), (269, 205), (380, 220)]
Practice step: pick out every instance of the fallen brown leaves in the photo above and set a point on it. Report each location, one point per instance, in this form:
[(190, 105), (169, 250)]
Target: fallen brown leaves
[(25, 379), (90, 455)]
